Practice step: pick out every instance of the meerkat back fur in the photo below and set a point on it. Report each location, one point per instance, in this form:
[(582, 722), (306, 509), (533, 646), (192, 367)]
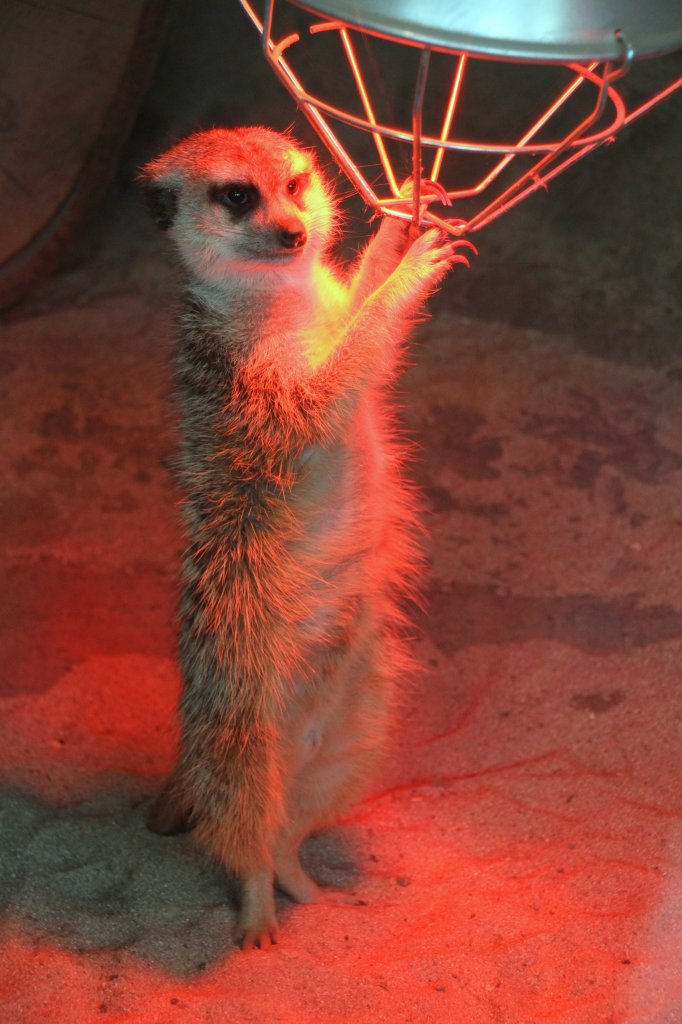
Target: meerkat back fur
[(299, 522)]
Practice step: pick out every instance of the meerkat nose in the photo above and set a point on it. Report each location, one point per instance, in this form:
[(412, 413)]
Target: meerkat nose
[(292, 239)]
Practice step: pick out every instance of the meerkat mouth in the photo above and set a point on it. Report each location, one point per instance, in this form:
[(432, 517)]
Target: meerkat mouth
[(289, 250), (281, 256)]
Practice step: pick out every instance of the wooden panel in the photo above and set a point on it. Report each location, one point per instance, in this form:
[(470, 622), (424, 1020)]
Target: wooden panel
[(70, 82)]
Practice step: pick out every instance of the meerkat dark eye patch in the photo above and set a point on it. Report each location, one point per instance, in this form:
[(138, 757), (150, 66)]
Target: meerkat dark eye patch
[(239, 197), (162, 203)]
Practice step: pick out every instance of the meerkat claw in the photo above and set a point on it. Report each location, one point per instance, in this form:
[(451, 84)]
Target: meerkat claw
[(435, 188), (259, 939), (460, 242), (427, 188)]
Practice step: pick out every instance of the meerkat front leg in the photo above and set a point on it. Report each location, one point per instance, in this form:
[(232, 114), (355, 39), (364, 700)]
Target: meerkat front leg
[(389, 244), (389, 311), (381, 256), (369, 347)]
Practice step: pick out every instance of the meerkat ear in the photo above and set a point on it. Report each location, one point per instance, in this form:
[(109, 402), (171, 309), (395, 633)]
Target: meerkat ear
[(162, 202)]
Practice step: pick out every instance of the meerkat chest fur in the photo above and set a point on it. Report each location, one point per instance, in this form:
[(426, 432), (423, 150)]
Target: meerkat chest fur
[(285, 469)]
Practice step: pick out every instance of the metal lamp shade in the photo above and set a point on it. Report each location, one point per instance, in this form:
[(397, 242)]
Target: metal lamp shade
[(528, 30)]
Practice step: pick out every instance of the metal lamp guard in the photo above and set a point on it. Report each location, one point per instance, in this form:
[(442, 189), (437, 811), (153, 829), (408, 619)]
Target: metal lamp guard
[(552, 157)]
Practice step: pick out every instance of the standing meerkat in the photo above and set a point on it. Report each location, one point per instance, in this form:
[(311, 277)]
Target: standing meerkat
[(299, 521)]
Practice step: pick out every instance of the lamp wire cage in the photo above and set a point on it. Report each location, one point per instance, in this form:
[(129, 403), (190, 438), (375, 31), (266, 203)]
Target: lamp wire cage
[(583, 107)]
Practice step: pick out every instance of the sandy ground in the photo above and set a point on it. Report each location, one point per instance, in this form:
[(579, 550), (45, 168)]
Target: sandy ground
[(519, 861)]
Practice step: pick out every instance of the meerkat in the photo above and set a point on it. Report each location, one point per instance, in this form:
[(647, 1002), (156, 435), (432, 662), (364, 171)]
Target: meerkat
[(299, 521)]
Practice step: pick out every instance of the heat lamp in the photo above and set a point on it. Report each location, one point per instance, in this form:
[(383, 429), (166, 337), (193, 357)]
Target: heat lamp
[(565, 63)]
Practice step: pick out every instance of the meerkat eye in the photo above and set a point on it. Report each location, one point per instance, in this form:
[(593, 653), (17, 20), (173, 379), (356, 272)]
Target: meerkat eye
[(237, 196), (296, 185), (240, 197)]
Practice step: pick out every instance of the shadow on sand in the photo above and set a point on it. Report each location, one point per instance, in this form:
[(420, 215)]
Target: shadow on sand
[(91, 876)]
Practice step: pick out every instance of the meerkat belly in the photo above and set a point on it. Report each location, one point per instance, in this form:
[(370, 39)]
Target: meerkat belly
[(338, 529), (332, 547)]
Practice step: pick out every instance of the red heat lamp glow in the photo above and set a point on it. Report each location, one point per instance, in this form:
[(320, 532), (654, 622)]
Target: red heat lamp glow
[(461, 58)]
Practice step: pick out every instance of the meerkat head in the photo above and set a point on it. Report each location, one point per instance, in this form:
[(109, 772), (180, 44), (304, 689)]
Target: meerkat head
[(243, 202)]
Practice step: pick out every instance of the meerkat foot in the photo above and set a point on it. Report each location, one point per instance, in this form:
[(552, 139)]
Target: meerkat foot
[(303, 890), (168, 815), (257, 918), (297, 884), (261, 935)]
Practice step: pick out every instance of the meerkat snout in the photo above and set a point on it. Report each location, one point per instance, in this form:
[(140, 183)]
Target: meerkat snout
[(295, 239)]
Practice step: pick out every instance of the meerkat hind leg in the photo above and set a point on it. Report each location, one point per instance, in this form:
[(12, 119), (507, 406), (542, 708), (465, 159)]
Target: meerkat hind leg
[(321, 789), (309, 799), (169, 815)]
